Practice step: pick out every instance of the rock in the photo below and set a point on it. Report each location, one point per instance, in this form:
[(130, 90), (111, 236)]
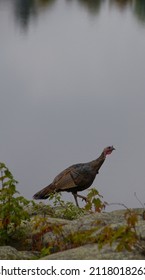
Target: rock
[(57, 234), (97, 221), (91, 252), (94, 221), (10, 253)]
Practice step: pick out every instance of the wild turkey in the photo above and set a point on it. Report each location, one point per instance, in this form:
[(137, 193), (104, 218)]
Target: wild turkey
[(75, 178)]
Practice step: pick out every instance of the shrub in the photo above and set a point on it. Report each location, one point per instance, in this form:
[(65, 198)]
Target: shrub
[(12, 210)]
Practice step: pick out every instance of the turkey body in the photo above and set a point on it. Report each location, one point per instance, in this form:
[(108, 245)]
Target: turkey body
[(75, 178)]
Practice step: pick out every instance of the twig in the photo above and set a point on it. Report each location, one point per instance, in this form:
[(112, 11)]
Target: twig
[(138, 200)]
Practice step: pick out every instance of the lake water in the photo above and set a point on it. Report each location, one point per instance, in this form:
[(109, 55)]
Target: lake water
[(72, 81)]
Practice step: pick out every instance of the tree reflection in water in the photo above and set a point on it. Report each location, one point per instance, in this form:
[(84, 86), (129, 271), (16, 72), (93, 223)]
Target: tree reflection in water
[(25, 9)]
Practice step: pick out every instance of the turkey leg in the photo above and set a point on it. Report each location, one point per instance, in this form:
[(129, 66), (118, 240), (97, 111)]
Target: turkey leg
[(78, 195)]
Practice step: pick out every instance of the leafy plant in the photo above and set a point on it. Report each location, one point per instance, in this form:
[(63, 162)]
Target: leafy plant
[(125, 236), (65, 210), (12, 210), (41, 226), (94, 201), (80, 238), (65, 241), (43, 209)]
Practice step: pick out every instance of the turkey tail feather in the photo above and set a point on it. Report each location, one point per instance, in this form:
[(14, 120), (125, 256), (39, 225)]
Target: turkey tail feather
[(44, 193)]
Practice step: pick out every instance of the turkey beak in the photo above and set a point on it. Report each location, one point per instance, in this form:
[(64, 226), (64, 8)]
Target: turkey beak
[(113, 148)]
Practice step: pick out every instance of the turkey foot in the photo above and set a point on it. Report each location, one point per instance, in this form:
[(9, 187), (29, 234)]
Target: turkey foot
[(81, 196)]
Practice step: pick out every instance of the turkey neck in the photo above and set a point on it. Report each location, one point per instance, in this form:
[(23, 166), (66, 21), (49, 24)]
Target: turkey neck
[(97, 163)]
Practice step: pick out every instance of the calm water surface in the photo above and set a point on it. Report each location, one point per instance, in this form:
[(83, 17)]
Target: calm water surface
[(72, 81)]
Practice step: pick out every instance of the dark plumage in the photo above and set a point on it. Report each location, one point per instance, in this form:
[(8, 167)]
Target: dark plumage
[(75, 178)]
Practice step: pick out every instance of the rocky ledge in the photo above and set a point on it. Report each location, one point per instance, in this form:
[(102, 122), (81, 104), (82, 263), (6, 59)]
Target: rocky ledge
[(63, 232)]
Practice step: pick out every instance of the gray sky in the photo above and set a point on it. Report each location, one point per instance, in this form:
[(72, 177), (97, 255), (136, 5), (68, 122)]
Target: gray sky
[(72, 84)]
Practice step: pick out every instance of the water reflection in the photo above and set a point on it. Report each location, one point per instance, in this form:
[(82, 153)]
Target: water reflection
[(121, 4), (139, 10), (24, 10), (137, 6), (92, 6)]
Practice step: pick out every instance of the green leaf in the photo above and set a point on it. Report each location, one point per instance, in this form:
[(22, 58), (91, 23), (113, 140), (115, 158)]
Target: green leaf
[(11, 205)]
